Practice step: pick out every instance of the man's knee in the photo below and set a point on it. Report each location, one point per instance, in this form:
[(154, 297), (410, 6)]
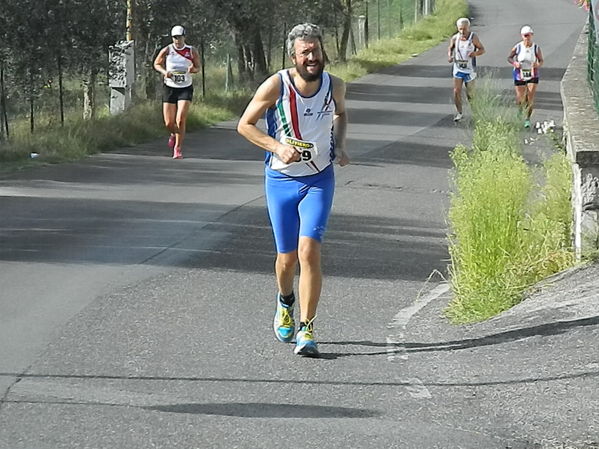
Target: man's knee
[(287, 261), (309, 253)]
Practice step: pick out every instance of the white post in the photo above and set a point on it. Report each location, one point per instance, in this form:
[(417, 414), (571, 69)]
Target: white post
[(121, 74)]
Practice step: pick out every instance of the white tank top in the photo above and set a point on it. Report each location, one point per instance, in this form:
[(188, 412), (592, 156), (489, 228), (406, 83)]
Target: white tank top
[(305, 123), (526, 56), (461, 61), (178, 61)]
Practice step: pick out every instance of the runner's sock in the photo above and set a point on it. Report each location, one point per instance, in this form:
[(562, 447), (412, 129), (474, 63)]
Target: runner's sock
[(287, 300)]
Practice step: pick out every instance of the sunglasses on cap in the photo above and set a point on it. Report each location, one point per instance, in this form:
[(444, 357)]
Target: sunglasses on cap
[(179, 36), (527, 34)]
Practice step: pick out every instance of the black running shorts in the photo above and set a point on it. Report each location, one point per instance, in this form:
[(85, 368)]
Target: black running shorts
[(175, 94), (524, 83)]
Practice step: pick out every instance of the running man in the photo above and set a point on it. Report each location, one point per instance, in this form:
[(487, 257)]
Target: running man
[(463, 49), (306, 120), (177, 62), (526, 57)]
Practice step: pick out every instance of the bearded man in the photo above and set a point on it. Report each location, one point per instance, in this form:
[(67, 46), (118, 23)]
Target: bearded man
[(306, 127)]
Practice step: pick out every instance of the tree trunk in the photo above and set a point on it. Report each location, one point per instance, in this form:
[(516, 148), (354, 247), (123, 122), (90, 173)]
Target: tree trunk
[(89, 95), (60, 87), (258, 52), (31, 103), (203, 68), (4, 118), (346, 32)]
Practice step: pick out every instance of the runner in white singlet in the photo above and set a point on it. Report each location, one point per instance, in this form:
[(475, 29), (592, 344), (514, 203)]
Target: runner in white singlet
[(526, 57), (176, 62), (463, 49)]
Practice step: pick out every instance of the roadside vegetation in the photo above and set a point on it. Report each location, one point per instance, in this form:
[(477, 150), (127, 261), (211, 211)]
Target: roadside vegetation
[(510, 222), (77, 137)]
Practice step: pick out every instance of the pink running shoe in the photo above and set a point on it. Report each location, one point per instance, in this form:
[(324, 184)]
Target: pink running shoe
[(177, 153), (171, 141)]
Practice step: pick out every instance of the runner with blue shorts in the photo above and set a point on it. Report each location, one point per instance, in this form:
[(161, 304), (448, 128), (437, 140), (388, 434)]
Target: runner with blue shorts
[(463, 49), (306, 124)]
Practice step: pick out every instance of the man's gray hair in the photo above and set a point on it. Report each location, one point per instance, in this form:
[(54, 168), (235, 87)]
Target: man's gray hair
[(462, 21), (302, 32)]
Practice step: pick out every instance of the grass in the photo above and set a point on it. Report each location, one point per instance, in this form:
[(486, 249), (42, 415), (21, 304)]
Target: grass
[(509, 224)]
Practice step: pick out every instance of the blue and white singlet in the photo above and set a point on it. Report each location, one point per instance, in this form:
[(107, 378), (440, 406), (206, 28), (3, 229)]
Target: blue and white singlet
[(305, 123)]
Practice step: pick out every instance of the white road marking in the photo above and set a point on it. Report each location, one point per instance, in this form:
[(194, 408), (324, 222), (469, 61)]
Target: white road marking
[(396, 350)]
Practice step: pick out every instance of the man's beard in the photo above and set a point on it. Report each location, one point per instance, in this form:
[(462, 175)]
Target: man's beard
[(308, 76)]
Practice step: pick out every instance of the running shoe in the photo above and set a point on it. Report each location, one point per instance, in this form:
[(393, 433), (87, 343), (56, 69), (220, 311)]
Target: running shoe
[(527, 123), (304, 341), (284, 325), (458, 117), (171, 141), (177, 153)]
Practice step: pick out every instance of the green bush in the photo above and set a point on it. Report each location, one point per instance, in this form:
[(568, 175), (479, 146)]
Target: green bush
[(508, 230)]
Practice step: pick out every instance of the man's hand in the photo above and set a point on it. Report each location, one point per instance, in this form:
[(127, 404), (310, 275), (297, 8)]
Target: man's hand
[(341, 157), (288, 154)]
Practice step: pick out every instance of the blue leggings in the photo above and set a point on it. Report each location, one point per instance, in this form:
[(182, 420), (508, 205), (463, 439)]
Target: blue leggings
[(298, 207)]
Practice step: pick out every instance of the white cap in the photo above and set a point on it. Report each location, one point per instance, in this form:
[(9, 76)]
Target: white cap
[(526, 30), (178, 30)]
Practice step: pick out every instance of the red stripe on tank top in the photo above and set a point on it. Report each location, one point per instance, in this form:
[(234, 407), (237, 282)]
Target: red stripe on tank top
[(294, 116)]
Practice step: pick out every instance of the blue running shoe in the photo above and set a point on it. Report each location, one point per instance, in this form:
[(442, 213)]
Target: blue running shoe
[(284, 325), (304, 341)]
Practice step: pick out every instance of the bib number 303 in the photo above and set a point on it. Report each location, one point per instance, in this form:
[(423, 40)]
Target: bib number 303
[(178, 77)]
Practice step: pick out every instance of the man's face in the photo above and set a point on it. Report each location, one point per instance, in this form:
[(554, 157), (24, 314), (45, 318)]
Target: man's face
[(308, 59), (463, 29)]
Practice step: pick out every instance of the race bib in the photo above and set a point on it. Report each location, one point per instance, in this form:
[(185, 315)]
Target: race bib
[(307, 150), (526, 74), (178, 77), (462, 64)]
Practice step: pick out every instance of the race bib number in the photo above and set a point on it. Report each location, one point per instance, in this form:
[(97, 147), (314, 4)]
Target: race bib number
[(307, 150), (462, 64), (178, 77), (526, 74)]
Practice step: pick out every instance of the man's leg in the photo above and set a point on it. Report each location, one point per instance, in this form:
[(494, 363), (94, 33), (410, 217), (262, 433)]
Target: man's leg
[(457, 94), (470, 90), (285, 267), (181, 119), (530, 96), (521, 96), (310, 280), (169, 112)]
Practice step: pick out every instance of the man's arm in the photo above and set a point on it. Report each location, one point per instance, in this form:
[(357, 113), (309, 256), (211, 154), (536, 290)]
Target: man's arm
[(159, 62), (450, 49), (478, 45), (539, 55), (195, 58), (511, 59), (339, 121), (266, 96)]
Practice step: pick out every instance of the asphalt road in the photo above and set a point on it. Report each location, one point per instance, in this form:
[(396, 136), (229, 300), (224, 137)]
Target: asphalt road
[(137, 292)]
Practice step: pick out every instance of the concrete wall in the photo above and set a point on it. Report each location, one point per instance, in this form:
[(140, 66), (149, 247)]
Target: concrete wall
[(581, 133)]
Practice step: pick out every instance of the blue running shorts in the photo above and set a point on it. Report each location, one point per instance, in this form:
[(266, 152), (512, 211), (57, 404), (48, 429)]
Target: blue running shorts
[(467, 77), (298, 206)]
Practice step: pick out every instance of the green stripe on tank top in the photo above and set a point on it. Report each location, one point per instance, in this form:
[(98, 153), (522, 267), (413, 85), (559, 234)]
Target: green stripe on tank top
[(284, 122)]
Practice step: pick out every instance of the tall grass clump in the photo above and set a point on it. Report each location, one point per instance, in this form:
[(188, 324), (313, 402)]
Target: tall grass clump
[(509, 225)]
